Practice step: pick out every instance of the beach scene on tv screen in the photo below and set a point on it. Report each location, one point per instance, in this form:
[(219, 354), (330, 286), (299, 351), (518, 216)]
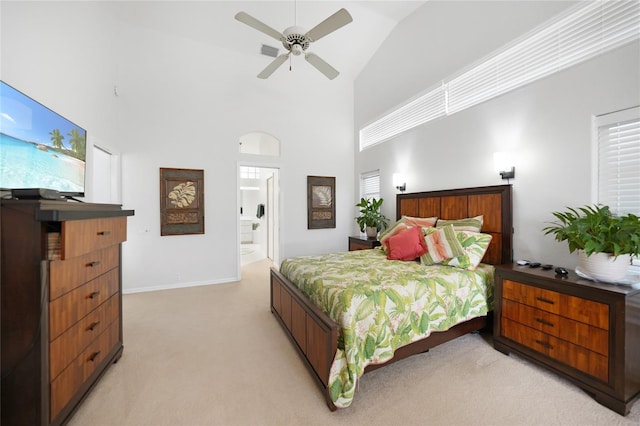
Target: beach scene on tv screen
[(38, 147)]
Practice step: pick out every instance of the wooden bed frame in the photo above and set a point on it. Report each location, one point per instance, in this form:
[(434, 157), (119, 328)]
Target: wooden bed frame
[(315, 334)]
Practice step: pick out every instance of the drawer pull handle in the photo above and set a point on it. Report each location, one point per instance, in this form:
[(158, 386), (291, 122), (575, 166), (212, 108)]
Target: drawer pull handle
[(94, 295), (542, 299), (545, 344), (93, 326), (93, 264), (543, 322), (93, 356), (104, 233)]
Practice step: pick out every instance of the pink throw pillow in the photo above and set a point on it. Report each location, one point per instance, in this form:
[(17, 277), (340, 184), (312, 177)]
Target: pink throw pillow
[(406, 245)]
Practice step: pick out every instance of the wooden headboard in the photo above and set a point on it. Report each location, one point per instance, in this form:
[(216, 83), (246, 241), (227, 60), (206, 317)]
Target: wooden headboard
[(493, 202)]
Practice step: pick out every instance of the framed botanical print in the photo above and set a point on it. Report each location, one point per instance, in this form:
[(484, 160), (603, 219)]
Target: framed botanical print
[(321, 205), (181, 201)]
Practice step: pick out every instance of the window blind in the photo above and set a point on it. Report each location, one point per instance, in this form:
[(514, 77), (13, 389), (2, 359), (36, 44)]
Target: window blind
[(571, 38), (583, 32), (426, 107), (370, 185), (619, 161)]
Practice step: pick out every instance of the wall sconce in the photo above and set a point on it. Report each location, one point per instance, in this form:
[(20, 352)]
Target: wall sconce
[(504, 165), (399, 182)]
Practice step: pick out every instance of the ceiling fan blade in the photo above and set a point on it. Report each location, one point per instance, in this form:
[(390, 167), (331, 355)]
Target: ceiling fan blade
[(329, 25), (273, 66), (245, 18), (321, 65)]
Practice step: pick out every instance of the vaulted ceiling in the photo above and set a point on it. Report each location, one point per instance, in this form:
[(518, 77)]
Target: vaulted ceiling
[(212, 22)]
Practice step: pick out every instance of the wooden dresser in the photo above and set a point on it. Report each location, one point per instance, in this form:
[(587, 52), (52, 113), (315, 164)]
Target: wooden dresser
[(587, 332), (61, 305)]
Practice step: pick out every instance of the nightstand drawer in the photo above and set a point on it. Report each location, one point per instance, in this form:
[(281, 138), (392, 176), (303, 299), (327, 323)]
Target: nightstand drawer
[(575, 356), (583, 310), (358, 243), (592, 338)]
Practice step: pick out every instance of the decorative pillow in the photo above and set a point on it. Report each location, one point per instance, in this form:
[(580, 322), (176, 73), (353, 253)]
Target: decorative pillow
[(473, 224), (475, 245), (442, 244), (406, 245), (397, 227), (405, 222), (424, 222)]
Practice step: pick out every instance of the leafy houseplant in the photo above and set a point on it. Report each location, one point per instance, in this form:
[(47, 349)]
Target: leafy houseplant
[(594, 231), (371, 218)]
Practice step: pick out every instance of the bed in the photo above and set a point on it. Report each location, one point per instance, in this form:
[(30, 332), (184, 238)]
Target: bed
[(325, 344)]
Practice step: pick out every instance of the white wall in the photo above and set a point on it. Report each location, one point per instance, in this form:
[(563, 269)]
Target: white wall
[(61, 54), (547, 124), (183, 104)]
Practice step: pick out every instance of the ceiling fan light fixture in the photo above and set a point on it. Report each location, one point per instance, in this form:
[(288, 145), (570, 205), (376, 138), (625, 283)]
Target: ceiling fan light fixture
[(296, 41), (297, 50)]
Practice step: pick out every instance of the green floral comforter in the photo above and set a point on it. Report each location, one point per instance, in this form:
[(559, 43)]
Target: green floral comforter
[(383, 304)]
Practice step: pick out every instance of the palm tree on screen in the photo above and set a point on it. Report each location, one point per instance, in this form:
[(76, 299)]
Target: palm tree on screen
[(56, 138), (76, 140)]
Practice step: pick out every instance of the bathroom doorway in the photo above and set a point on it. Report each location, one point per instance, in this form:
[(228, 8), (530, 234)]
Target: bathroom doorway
[(258, 198), (258, 213)]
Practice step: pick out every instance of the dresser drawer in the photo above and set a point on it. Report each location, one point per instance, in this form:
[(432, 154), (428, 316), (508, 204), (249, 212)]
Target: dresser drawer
[(65, 275), (575, 356), (65, 311), (68, 345), (84, 236), (592, 338), (67, 383), (583, 310)]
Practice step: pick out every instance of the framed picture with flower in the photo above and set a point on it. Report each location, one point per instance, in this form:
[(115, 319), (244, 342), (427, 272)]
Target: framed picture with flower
[(181, 201), (321, 205)]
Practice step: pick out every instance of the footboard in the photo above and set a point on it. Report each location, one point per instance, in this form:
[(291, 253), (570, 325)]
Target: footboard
[(315, 334)]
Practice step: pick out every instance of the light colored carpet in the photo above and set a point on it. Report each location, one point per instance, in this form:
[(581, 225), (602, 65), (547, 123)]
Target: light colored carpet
[(214, 355)]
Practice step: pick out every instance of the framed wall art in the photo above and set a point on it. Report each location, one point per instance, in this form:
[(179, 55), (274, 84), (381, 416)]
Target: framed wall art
[(321, 205), (181, 201)]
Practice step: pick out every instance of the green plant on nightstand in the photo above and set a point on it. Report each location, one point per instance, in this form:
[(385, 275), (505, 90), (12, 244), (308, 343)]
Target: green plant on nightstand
[(371, 220), (598, 236)]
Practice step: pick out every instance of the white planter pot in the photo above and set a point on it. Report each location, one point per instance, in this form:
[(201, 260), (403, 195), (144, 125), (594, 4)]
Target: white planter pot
[(603, 266), (372, 231)]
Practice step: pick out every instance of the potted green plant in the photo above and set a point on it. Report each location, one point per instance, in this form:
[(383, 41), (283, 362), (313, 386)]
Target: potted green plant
[(371, 220), (605, 242)]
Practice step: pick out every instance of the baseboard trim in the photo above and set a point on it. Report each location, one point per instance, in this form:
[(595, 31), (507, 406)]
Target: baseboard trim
[(174, 286)]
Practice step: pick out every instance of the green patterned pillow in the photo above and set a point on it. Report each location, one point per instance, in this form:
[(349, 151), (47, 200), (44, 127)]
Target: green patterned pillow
[(473, 224), (475, 245), (442, 244)]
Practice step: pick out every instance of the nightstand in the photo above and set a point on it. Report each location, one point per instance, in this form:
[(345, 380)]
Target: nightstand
[(585, 331), (362, 243)]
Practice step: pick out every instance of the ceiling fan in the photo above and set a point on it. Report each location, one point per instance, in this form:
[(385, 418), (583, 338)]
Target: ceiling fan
[(296, 40)]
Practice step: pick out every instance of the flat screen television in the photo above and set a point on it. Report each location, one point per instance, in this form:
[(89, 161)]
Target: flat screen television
[(39, 149)]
